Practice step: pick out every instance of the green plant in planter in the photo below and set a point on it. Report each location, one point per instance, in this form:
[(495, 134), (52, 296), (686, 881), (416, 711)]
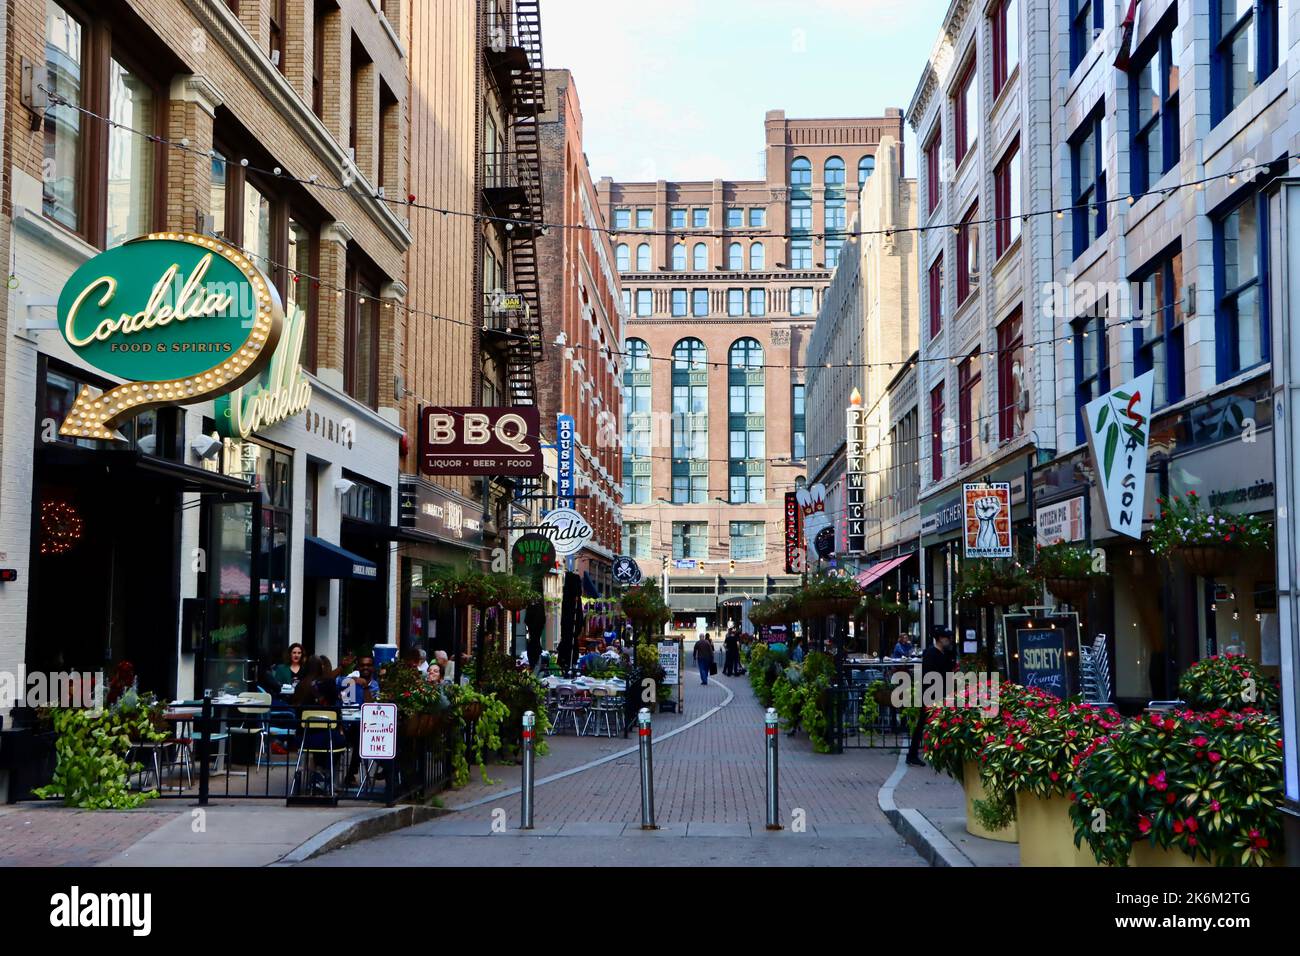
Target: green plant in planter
[(1065, 560), (93, 772), (995, 581), (1230, 682), (1206, 784), (1184, 522), (401, 683), (513, 593), (870, 710), (644, 606), (491, 715), (829, 594), (520, 691)]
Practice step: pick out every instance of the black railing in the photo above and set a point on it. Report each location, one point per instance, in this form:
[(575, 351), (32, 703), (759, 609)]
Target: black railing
[(888, 730)]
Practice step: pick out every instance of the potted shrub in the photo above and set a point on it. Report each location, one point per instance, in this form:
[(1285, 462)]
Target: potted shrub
[(995, 582), (827, 594), (92, 748), (1031, 754), (645, 608), (479, 717), (422, 706), (1183, 789), (514, 594), (1066, 570), (1228, 682), (1207, 540)]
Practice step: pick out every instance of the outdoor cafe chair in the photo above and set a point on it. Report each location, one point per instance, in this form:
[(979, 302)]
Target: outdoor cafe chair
[(257, 723), (606, 707), (572, 704), (320, 720)]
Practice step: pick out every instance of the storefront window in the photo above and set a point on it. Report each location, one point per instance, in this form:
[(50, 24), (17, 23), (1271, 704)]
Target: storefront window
[(63, 58), (130, 156)]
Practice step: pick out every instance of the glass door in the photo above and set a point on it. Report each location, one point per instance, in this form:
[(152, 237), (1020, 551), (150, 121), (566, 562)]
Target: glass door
[(230, 643)]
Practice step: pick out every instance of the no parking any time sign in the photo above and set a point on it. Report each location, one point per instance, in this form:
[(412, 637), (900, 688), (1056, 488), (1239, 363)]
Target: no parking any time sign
[(378, 731)]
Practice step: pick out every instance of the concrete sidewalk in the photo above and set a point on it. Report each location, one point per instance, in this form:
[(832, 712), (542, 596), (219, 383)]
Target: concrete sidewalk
[(929, 810)]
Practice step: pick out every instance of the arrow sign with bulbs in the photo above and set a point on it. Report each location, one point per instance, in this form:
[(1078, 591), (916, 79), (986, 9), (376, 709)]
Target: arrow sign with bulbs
[(182, 317)]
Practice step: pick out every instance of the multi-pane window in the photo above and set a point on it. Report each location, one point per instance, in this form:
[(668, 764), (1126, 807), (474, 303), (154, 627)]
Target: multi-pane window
[(627, 301), (622, 218), (800, 253), (758, 302), (801, 215), (756, 257), (636, 539), (968, 254), (833, 249), (690, 539), (679, 303), (1006, 42), (757, 218), (970, 393), (636, 412), (834, 215), (747, 447), (747, 444), (638, 356), (735, 257), (700, 218), (643, 257), (833, 175), (636, 489), (361, 340), (1157, 332), (1011, 376), (1091, 362), (735, 302), (748, 541), (690, 420), (1248, 39), (699, 302), (699, 257), (800, 177), (690, 489), (746, 353), (1153, 108), (935, 276), (679, 257), (866, 166), (1088, 176), (933, 168), (300, 290), (798, 434), (1006, 187), (677, 217), (1240, 255), (735, 217), (689, 355), (936, 432), (801, 301), (623, 257), (966, 112), (644, 218), (1086, 22), (644, 302), (746, 488)]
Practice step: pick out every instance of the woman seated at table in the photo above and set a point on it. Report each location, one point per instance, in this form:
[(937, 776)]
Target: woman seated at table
[(434, 674), (317, 688), (290, 672)]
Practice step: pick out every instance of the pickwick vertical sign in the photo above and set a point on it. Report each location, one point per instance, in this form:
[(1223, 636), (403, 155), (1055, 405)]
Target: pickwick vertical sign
[(855, 475), (181, 317), (1119, 432)]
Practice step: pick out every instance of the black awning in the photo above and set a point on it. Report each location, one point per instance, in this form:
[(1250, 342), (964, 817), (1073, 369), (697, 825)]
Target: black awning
[(320, 559), (384, 532), (121, 460)]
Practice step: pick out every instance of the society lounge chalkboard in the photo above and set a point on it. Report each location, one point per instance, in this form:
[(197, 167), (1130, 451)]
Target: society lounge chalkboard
[(1046, 655)]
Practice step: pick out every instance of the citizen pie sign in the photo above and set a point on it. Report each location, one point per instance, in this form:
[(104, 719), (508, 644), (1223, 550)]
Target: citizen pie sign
[(480, 441)]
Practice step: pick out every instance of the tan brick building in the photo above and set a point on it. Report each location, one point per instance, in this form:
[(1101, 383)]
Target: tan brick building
[(722, 281)]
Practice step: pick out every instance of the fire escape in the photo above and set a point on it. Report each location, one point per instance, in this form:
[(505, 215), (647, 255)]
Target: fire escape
[(512, 184)]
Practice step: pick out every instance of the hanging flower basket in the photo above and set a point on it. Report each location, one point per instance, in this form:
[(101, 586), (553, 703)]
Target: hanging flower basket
[(419, 725), (472, 711), (998, 595), (1205, 560), (841, 607), (1070, 590)]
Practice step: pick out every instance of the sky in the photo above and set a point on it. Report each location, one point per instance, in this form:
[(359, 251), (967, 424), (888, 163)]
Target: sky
[(677, 89)]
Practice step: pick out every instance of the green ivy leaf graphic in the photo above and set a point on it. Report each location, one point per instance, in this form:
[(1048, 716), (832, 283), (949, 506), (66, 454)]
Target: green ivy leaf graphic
[(1112, 442), (1101, 418), (1123, 396)]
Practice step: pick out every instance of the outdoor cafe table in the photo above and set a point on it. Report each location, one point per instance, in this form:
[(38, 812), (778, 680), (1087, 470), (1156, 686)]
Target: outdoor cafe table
[(615, 688)]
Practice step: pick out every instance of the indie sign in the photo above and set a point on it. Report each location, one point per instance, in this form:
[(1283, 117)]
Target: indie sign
[(567, 530), (480, 441), (182, 317), (1119, 431)]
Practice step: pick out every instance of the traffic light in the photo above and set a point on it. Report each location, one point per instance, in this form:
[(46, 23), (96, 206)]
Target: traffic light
[(731, 565), (665, 561)]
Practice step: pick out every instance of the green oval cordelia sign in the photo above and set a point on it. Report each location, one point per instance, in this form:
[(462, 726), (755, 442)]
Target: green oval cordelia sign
[(183, 317)]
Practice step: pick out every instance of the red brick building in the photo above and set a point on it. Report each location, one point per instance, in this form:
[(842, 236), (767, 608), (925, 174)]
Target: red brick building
[(722, 282)]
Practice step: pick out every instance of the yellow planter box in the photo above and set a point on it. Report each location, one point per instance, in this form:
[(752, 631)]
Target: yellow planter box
[(974, 787), (1046, 833), (1146, 853)]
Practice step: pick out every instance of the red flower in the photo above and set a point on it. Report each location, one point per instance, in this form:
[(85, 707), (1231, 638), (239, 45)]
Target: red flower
[(1178, 826), (1191, 841), (1214, 805), (1191, 824), (1144, 825), (1199, 741), (1215, 757), (1170, 798)]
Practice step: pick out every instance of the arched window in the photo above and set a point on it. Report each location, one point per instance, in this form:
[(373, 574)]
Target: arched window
[(643, 257), (700, 257), (801, 175), (866, 166), (756, 257), (689, 355), (746, 353), (622, 257), (833, 174), (735, 257), (637, 356), (679, 257)]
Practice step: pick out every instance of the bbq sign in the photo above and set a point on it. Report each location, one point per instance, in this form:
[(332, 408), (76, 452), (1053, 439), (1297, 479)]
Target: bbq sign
[(480, 441), (182, 317)]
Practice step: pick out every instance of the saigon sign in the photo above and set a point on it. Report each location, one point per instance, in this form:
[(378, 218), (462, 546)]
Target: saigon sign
[(182, 317)]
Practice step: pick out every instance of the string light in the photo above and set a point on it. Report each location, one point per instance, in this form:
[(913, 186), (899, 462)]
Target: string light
[(61, 526)]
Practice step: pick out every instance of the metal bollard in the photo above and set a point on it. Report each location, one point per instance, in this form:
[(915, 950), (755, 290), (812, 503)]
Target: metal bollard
[(647, 771), (770, 733), (526, 791)]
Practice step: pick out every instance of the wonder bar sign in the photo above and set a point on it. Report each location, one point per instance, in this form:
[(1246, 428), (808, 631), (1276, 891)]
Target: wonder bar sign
[(1119, 432), (182, 317)]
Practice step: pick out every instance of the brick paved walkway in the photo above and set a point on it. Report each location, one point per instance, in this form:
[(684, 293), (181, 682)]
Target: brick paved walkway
[(57, 836)]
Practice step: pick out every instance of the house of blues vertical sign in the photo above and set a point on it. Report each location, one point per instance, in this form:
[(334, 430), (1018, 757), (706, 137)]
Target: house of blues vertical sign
[(564, 448), (1119, 431), (856, 476)]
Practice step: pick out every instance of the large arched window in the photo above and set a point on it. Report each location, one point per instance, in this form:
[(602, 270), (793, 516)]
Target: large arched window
[(866, 166), (623, 257), (689, 355), (801, 175), (637, 356), (746, 353), (833, 174), (735, 257), (700, 257), (756, 257), (679, 257), (643, 257), (636, 422)]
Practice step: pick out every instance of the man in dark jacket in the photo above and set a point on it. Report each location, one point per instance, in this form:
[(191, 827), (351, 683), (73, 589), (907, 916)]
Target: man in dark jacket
[(937, 659)]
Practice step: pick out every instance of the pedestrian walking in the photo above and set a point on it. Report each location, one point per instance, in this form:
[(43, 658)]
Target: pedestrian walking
[(938, 659), (731, 647), (704, 658)]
